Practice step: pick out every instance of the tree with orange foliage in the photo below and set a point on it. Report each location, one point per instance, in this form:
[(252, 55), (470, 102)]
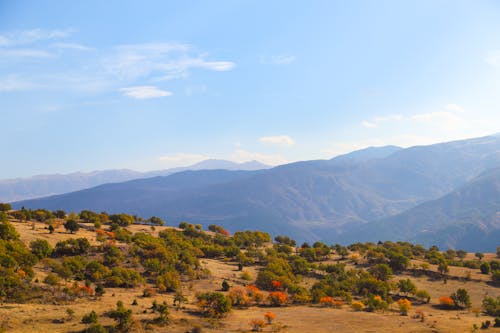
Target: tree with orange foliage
[(239, 296), (277, 298), (277, 285), (254, 293), (270, 316)]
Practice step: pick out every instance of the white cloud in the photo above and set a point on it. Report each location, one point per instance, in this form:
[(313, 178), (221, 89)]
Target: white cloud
[(283, 140), (161, 61), (182, 159), (72, 46), (241, 156), (24, 53), (376, 121), (145, 92), (23, 37), (493, 58)]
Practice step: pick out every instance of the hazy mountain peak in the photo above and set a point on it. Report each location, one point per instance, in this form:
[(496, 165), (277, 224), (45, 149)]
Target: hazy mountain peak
[(367, 153)]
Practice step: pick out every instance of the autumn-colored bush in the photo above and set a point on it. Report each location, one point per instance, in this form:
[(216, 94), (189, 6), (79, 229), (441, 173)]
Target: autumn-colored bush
[(404, 306), (277, 298), (255, 294), (446, 302), (277, 285), (257, 324), (357, 306), (269, 316), (239, 296)]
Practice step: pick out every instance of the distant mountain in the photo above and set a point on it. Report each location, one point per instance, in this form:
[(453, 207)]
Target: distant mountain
[(468, 217), (46, 185), (311, 200)]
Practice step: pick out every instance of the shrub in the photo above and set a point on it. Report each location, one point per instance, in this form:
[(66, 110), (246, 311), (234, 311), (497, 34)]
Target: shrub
[(214, 304), (357, 306), (245, 276), (168, 281), (225, 285), (423, 296), (269, 316), (446, 302), (122, 316), (90, 318), (72, 226), (257, 325), (491, 306), (404, 306), (381, 271), (277, 298), (485, 268), (239, 296)]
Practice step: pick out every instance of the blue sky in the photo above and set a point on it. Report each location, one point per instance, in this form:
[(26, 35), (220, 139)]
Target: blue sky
[(148, 85)]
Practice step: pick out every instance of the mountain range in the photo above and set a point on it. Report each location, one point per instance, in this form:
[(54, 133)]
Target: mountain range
[(444, 194), (46, 185)]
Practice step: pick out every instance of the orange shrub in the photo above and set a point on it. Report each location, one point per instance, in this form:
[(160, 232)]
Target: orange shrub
[(326, 301), (255, 294), (277, 298), (357, 306), (276, 285), (446, 302), (404, 306), (239, 296), (269, 317), (257, 324)]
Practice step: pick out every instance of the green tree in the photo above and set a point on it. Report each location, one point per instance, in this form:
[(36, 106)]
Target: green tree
[(8, 232), (479, 255), (461, 298), (72, 226), (381, 271), (406, 286), (4, 207), (485, 268), (214, 304), (41, 248), (90, 318), (122, 316)]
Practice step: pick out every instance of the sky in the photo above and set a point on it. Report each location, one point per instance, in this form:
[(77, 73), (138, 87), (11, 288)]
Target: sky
[(148, 85)]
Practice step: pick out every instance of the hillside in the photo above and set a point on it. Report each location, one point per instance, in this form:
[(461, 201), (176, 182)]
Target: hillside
[(189, 280), (312, 200), (46, 185), (468, 217)]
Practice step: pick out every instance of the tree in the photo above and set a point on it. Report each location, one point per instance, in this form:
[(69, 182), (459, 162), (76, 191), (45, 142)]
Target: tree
[(479, 255), (498, 252), (214, 304), (41, 248), (90, 318), (51, 229), (72, 226), (443, 267), (225, 285), (8, 232), (156, 220), (4, 207), (122, 316), (381, 271), (461, 298), (461, 254), (485, 268), (60, 214), (406, 287)]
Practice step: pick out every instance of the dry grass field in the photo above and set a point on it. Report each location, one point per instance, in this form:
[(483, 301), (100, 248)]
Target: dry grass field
[(33, 317)]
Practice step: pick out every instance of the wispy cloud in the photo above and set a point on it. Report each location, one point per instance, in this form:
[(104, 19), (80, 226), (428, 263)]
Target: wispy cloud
[(376, 121), (145, 92), (240, 156), (283, 140), (23, 53), (72, 46), (182, 159), (23, 37), (160, 61)]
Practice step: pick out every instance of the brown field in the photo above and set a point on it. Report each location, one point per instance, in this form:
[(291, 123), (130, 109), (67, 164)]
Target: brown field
[(304, 318)]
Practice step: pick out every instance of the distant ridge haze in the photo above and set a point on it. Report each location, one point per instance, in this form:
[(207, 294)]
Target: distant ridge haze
[(46, 185)]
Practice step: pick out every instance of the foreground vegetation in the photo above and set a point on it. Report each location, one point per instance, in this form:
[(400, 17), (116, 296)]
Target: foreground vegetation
[(106, 267)]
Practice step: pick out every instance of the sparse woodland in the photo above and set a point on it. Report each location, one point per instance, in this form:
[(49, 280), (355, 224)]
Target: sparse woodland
[(94, 272)]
